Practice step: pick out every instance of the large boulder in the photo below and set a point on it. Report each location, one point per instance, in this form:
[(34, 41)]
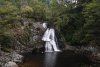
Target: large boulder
[(94, 57), (6, 57), (10, 64), (17, 57)]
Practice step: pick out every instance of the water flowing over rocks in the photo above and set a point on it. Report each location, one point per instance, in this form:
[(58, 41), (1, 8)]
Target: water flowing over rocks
[(49, 38)]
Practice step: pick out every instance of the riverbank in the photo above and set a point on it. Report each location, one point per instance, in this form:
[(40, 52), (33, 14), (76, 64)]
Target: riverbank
[(6, 57), (88, 55), (92, 53)]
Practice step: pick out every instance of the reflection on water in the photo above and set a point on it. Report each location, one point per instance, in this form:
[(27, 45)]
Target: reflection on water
[(60, 59), (50, 59)]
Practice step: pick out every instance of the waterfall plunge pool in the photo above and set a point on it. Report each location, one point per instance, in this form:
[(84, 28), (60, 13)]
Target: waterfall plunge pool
[(56, 59)]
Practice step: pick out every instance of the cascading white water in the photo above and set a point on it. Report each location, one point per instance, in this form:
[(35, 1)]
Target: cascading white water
[(49, 38)]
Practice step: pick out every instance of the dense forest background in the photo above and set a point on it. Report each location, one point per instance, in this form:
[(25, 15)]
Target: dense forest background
[(78, 23)]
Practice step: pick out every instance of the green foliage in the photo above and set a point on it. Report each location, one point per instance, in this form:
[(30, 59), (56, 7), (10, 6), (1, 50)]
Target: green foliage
[(92, 26), (83, 26), (8, 14), (78, 23), (5, 40), (38, 10)]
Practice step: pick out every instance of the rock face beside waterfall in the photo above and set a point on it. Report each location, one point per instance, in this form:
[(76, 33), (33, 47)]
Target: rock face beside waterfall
[(35, 42), (34, 36)]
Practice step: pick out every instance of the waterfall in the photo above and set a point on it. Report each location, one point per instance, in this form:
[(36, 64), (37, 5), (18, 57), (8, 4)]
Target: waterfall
[(49, 38)]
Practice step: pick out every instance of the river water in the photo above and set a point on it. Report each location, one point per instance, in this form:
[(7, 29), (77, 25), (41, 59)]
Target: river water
[(57, 59)]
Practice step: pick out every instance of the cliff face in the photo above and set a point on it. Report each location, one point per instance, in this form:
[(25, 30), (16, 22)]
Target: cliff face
[(33, 36), (25, 38)]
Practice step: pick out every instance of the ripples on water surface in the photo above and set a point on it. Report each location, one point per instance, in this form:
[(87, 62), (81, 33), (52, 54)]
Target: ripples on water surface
[(54, 59)]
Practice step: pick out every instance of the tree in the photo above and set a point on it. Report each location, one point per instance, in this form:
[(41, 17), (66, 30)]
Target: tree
[(91, 28)]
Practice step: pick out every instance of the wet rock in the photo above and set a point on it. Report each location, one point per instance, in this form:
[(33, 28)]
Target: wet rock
[(6, 57), (92, 53), (68, 47), (17, 57), (38, 50), (10, 64), (94, 57)]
